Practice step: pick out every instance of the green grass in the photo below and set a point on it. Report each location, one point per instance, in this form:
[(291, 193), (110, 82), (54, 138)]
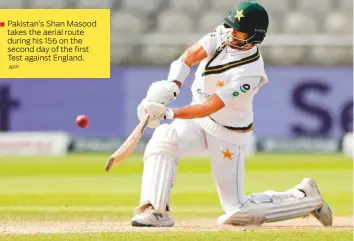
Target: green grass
[(76, 188)]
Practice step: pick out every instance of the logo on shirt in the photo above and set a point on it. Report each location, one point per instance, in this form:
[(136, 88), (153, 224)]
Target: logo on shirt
[(235, 94), (245, 87), (203, 95)]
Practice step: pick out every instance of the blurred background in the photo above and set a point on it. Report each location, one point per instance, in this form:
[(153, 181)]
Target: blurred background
[(303, 116), (308, 53)]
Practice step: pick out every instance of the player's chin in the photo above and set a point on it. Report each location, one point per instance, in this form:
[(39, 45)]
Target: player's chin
[(242, 47), (248, 46)]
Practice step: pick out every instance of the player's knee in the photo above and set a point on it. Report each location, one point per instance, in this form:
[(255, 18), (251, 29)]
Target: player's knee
[(164, 141)]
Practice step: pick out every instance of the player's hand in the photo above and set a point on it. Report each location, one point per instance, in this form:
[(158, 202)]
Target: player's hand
[(163, 92), (141, 111), (158, 111)]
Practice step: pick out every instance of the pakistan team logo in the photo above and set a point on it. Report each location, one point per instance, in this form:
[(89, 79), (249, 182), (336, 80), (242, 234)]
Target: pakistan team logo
[(244, 88)]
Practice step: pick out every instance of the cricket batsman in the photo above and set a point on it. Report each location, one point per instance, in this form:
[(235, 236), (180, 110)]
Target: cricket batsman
[(219, 120)]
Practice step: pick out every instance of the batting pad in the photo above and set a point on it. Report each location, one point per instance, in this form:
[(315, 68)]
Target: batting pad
[(257, 213), (160, 162)]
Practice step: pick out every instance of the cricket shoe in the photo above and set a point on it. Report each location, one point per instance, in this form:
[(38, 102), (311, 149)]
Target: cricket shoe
[(324, 213), (150, 218)]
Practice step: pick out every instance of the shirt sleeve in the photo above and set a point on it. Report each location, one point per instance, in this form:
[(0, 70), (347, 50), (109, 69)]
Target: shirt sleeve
[(237, 88), (210, 42)]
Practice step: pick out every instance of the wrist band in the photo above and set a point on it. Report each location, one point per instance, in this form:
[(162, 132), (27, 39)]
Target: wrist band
[(178, 71), (169, 114)]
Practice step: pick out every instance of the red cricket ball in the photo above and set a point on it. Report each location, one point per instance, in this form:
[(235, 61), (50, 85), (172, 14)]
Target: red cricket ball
[(82, 121)]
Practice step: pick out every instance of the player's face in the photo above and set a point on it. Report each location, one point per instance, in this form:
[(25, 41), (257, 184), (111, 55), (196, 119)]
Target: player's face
[(237, 40)]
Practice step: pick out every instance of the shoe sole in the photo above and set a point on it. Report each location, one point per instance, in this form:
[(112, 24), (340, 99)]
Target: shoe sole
[(136, 224)]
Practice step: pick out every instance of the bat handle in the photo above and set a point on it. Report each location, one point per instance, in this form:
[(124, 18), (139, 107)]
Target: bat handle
[(145, 123)]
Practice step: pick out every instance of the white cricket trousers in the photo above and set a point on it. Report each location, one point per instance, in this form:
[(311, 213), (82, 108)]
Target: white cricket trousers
[(227, 160)]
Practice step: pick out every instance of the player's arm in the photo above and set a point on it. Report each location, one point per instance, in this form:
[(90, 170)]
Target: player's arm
[(202, 49), (187, 112), (180, 68), (211, 106), (165, 92), (224, 96)]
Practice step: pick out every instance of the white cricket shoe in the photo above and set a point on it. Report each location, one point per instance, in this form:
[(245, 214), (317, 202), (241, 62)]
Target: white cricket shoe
[(324, 213), (150, 218)]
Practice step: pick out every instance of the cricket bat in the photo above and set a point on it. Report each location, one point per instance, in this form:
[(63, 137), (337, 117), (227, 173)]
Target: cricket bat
[(126, 149)]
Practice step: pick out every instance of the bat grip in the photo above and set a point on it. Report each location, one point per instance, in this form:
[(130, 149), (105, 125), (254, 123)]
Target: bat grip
[(145, 122)]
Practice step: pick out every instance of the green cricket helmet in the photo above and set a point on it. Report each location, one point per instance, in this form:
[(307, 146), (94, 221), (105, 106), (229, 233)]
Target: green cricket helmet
[(251, 18)]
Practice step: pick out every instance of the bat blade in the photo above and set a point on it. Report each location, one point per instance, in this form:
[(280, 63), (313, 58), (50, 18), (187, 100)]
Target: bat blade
[(127, 148)]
